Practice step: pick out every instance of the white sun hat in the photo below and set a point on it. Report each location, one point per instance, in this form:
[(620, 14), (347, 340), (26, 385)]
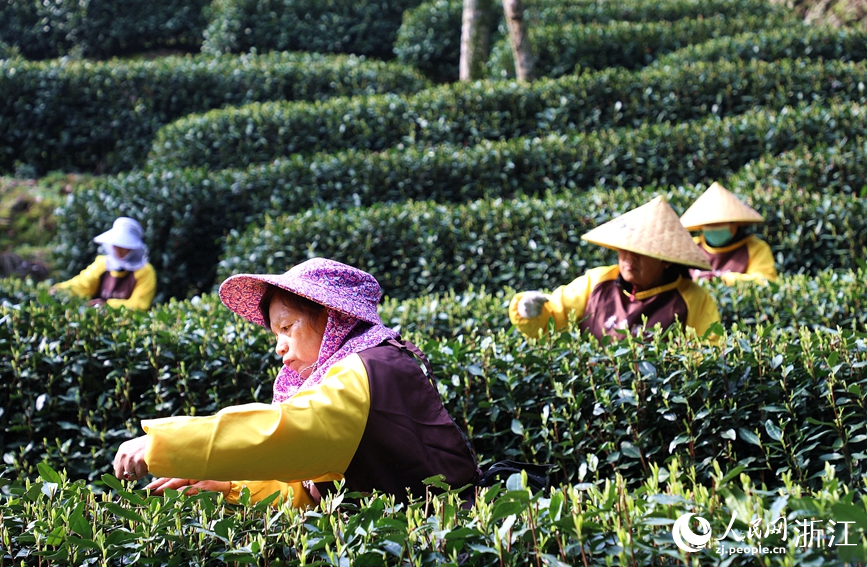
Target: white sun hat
[(124, 233)]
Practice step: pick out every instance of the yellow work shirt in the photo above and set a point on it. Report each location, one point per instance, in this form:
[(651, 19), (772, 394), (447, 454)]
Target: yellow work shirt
[(86, 284), (311, 436)]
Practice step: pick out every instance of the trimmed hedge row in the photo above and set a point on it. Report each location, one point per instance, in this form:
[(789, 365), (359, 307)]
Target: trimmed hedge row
[(770, 401), (469, 113), (567, 49), (179, 209), (419, 248), (430, 36), (100, 28), (336, 26), (102, 116), (838, 168), (792, 42), (546, 12)]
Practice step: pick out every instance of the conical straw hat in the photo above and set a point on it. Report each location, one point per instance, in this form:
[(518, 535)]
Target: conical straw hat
[(654, 230), (717, 205)]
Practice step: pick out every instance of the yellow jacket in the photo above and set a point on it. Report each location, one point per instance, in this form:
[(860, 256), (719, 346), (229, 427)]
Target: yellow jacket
[(573, 298), (311, 436), (86, 284), (759, 259)]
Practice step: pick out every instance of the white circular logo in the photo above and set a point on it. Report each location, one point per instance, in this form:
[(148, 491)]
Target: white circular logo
[(685, 538)]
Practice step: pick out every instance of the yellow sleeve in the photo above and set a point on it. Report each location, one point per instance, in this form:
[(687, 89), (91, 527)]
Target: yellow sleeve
[(261, 489), (701, 307), (143, 293), (567, 299), (760, 267), (86, 283), (314, 433)]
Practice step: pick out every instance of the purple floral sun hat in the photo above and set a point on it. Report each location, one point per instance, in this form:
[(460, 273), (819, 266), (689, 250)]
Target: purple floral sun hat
[(327, 282)]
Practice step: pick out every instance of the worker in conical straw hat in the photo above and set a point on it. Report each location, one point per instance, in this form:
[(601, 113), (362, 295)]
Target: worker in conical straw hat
[(732, 253), (650, 280)]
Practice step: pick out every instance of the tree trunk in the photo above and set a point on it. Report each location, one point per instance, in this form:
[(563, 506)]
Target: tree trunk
[(475, 38), (521, 49)]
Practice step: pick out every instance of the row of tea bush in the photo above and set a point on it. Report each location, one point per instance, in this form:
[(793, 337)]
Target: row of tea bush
[(79, 115), (53, 520), (337, 26), (424, 247), (187, 213), (789, 42), (429, 37), (106, 28), (774, 397), (100, 28), (102, 116), (467, 114), (565, 49)]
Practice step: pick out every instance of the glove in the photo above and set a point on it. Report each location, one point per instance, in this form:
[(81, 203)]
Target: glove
[(705, 274), (530, 304)]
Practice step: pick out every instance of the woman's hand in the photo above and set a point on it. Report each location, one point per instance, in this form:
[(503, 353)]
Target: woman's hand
[(129, 462), (188, 486)]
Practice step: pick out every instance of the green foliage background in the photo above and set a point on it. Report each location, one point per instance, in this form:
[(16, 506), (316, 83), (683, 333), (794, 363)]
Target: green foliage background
[(278, 130)]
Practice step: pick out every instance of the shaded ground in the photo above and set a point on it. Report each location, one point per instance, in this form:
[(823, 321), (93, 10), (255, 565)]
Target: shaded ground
[(27, 224), (834, 12)]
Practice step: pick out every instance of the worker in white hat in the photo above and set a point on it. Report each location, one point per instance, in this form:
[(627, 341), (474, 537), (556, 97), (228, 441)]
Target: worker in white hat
[(650, 281), (121, 276), (733, 254)]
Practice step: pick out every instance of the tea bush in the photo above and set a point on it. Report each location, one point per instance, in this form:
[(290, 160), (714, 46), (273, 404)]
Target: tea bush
[(790, 42), (565, 49), (54, 520), (838, 168), (468, 114), (77, 380), (418, 248), (100, 28), (541, 12), (185, 232), (7, 51), (430, 36), (336, 26), (102, 116)]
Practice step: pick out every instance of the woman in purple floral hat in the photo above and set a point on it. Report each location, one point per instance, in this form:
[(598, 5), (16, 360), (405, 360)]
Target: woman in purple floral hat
[(350, 402)]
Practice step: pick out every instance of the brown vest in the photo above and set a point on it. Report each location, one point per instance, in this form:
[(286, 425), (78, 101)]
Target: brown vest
[(409, 435), (609, 308), (732, 261), (111, 287)]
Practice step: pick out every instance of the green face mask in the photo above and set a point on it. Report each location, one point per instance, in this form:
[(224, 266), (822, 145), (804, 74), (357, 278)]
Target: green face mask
[(717, 237)]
